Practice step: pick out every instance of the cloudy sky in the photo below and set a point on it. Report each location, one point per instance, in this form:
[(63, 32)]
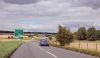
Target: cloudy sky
[(46, 15)]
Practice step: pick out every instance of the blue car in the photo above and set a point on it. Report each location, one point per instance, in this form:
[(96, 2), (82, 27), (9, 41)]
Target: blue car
[(44, 42)]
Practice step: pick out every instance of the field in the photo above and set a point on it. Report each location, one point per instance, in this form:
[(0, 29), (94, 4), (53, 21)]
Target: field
[(7, 47), (90, 45)]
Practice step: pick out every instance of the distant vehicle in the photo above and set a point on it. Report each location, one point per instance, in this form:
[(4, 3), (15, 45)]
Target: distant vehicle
[(44, 42)]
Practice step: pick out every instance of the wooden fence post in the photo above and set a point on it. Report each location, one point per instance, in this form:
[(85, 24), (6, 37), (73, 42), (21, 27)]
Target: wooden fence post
[(87, 44), (73, 44), (79, 45), (96, 46)]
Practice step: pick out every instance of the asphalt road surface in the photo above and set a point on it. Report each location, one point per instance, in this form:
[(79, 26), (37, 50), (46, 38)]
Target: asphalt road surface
[(33, 50)]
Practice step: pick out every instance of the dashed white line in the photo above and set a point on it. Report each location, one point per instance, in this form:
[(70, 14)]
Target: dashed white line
[(40, 48), (47, 52), (51, 54)]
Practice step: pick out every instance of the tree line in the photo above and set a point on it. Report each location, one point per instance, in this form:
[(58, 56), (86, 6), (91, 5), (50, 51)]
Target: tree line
[(88, 34), (65, 36)]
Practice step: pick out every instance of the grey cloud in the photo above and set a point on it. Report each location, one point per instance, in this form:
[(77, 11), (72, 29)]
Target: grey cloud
[(90, 3), (21, 1), (95, 4)]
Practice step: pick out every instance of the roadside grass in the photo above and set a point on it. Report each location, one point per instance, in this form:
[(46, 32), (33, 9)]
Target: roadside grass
[(8, 47), (85, 51)]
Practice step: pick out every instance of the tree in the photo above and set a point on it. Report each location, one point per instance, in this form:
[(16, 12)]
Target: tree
[(91, 34), (64, 35), (75, 35), (98, 34), (81, 33)]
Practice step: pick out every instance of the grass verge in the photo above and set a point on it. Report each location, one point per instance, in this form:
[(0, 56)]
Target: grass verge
[(7, 48), (85, 51)]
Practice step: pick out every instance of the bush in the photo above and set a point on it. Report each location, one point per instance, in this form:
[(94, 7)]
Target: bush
[(8, 37), (50, 37), (12, 37)]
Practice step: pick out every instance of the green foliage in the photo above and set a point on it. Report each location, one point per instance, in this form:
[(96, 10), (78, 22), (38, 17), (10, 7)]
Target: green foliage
[(64, 35), (81, 33), (91, 34), (74, 35), (98, 34)]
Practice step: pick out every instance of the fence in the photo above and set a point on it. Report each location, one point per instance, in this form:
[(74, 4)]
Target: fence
[(95, 46)]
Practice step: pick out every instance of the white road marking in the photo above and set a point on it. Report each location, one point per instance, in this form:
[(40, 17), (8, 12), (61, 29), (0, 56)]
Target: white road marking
[(40, 48), (51, 54), (46, 51)]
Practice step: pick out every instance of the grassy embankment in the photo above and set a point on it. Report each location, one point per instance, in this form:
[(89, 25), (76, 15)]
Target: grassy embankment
[(8, 47), (68, 47)]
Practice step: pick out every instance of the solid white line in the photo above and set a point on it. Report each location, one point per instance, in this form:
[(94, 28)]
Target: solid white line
[(51, 54)]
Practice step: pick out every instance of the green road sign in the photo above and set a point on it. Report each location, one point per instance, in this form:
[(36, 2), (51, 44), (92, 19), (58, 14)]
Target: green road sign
[(18, 33)]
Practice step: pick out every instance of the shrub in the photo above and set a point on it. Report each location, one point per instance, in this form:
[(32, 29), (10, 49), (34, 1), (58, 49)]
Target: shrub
[(8, 37), (50, 37)]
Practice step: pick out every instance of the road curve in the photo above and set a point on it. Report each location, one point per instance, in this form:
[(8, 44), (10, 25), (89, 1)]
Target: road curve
[(33, 50)]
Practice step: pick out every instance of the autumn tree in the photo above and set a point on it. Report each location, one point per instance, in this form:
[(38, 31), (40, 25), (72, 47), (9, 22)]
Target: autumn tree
[(64, 35)]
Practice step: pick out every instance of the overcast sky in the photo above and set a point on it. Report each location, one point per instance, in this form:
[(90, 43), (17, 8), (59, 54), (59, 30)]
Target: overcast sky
[(46, 15)]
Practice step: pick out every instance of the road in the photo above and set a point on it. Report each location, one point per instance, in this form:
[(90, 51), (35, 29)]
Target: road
[(33, 50)]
